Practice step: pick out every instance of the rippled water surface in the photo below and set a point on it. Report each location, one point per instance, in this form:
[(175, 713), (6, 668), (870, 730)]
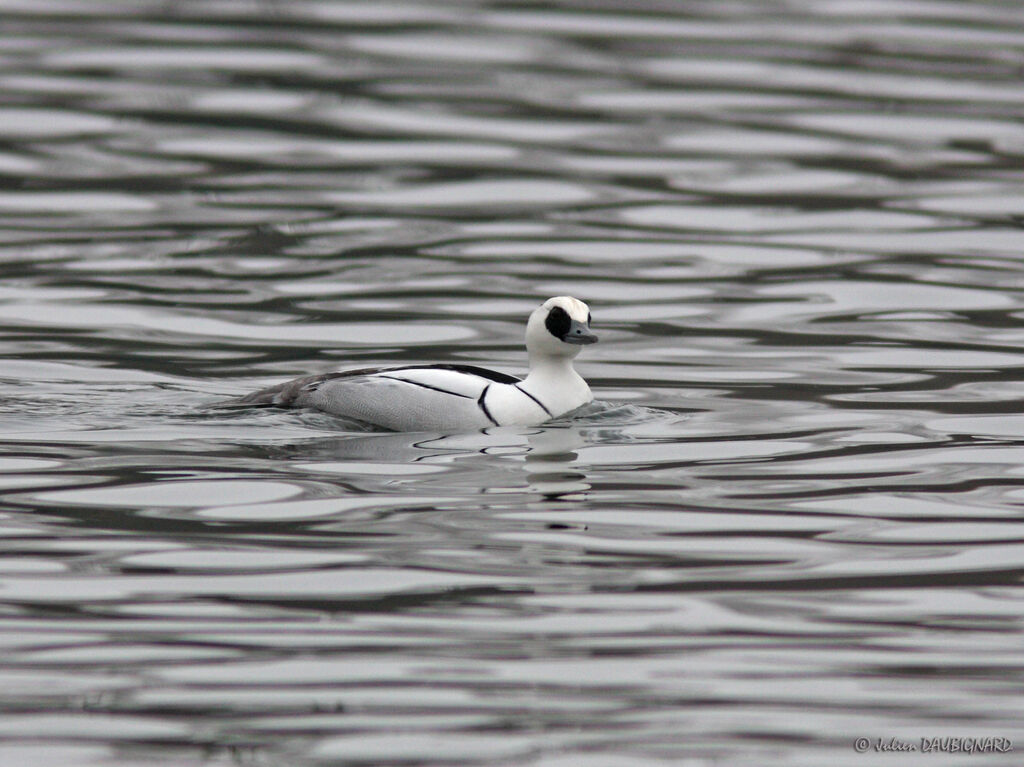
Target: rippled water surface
[(794, 517)]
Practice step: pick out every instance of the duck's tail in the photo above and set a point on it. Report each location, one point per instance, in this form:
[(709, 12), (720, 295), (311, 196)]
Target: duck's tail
[(290, 393)]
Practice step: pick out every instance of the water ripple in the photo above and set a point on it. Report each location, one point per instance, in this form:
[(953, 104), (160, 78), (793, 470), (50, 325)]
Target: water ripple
[(789, 520)]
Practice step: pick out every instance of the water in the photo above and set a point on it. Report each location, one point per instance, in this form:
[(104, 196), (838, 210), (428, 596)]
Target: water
[(793, 518)]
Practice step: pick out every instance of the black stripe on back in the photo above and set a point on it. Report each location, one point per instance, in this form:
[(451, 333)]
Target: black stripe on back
[(426, 386), (473, 370), (312, 382)]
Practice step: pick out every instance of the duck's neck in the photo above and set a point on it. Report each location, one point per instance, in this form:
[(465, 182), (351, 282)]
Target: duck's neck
[(555, 382)]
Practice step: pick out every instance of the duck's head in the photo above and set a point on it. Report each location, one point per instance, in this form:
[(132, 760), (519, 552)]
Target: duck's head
[(559, 327)]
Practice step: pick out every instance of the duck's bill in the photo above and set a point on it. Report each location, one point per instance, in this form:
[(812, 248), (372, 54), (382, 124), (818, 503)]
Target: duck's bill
[(579, 334)]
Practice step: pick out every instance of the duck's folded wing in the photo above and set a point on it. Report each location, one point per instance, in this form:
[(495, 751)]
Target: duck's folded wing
[(395, 400), (409, 398)]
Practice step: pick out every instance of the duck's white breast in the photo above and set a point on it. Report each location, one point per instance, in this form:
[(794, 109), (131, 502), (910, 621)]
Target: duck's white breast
[(509, 405)]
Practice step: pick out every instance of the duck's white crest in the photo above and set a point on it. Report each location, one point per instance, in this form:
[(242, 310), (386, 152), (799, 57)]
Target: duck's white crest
[(457, 397)]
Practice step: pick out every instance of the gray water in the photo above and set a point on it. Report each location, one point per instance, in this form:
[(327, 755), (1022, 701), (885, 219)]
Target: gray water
[(792, 519)]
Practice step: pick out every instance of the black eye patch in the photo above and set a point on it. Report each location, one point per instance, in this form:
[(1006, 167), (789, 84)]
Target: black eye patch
[(558, 322)]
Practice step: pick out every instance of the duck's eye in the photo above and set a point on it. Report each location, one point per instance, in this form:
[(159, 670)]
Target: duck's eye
[(558, 322)]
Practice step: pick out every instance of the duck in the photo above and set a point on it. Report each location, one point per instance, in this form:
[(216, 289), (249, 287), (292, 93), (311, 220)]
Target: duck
[(454, 397)]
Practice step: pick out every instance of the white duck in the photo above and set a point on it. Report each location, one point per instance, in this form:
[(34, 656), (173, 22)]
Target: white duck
[(463, 397)]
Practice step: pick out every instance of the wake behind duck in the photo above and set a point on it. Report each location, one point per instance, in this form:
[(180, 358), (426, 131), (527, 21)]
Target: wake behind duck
[(457, 397)]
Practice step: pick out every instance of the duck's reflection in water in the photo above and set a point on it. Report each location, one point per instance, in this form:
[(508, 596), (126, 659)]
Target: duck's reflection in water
[(551, 466), (494, 459)]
